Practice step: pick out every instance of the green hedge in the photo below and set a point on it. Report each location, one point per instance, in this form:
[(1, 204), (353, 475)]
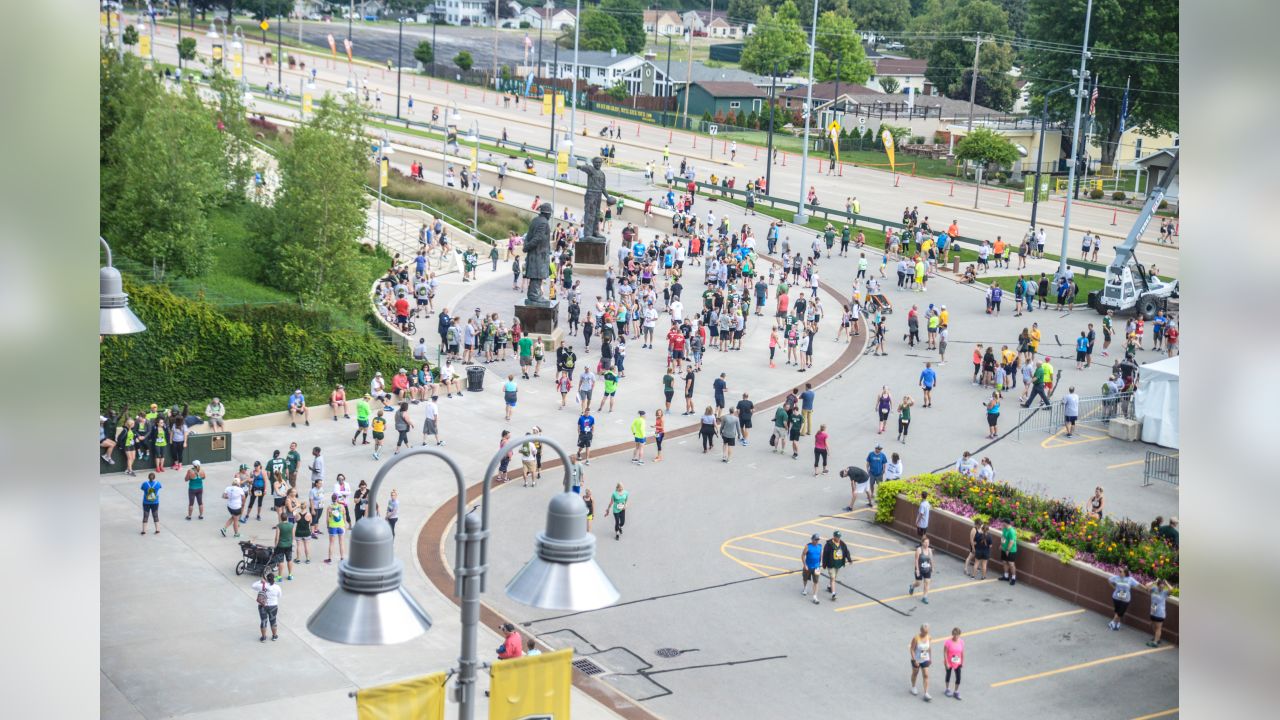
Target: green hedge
[(191, 352)]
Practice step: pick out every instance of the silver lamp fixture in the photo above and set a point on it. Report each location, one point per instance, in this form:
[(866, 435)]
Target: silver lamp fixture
[(114, 315)]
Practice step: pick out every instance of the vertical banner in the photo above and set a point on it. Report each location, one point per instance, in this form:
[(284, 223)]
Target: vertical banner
[(547, 104), (886, 137), (833, 130), (144, 45), (384, 172), (562, 162), (237, 64), (347, 45), (102, 19), (1028, 190), (475, 156), (534, 686), (418, 699), (333, 47), (559, 104), (217, 54), (306, 103)]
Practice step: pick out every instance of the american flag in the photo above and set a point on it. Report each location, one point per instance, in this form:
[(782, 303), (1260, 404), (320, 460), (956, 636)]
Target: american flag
[(1093, 99)]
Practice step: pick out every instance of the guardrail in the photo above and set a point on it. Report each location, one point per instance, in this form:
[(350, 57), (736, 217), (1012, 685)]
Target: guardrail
[(1159, 466), (1095, 410)]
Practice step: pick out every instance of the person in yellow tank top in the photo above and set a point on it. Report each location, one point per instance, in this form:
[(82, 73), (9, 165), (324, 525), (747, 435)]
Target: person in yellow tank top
[(379, 432), (337, 521)]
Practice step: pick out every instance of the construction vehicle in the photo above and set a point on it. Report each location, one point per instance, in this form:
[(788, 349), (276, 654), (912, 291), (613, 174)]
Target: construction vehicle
[(1128, 286)]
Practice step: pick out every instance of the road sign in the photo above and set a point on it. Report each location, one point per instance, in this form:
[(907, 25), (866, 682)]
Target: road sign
[(713, 128), (264, 25), (862, 121)]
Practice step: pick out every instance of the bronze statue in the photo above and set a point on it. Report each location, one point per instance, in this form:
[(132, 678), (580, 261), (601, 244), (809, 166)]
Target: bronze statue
[(591, 200), (537, 255)]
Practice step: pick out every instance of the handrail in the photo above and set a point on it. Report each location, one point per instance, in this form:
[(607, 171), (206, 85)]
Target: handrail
[(459, 225)]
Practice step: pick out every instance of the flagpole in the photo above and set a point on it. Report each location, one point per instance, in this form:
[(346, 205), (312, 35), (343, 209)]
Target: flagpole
[(1088, 133), (1124, 117)]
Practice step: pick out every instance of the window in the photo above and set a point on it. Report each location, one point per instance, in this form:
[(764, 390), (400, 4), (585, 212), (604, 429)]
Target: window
[(755, 105), (1137, 147), (734, 104)]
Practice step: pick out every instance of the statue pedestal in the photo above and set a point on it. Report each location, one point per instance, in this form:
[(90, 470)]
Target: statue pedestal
[(590, 256), (539, 319)]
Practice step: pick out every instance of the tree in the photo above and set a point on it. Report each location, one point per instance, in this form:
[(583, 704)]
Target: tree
[(1122, 27), (266, 9), (839, 49), (425, 53), (463, 61), (1017, 11), (163, 168), (778, 39), (629, 15), (890, 85), (318, 213), (618, 92), (600, 31), (987, 147), (744, 11), (398, 8), (951, 60), (187, 48), (130, 35), (881, 15)]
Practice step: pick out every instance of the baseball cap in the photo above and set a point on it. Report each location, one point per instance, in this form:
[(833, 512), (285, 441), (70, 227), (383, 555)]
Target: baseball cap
[(815, 536), (403, 370), (879, 446), (378, 374), (243, 466), (102, 418), (835, 533), (195, 463)]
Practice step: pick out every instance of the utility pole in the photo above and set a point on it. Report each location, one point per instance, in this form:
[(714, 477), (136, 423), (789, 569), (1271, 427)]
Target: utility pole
[(1088, 133), (351, 14), (279, 50), (1075, 140), (573, 109), (802, 217), (495, 44), (555, 75), (179, 40), (399, 62), (671, 86), (688, 77), (768, 153), (973, 79)]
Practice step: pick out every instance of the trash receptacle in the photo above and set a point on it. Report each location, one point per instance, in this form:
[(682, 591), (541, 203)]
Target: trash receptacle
[(955, 265), (475, 378)]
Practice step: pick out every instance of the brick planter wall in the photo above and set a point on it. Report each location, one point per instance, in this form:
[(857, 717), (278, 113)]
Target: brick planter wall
[(1075, 582)]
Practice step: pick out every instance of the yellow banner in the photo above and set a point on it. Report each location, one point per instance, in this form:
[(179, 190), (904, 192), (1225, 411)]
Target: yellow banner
[(562, 162), (217, 54), (384, 172), (237, 65), (546, 104), (559, 104), (475, 151), (418, 699), (144, 46), (887, 138), (306, 102), (532, 686), (834, 131), (102, 19)]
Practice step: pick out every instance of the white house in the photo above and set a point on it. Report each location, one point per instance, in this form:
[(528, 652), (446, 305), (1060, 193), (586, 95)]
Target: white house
[(663, 22), (717, 25), (541, 17), (907, 71), (465, 12), (604, 69)]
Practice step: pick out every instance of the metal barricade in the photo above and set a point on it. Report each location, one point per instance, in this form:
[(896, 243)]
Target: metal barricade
[(1095, 410), (1160, 466)]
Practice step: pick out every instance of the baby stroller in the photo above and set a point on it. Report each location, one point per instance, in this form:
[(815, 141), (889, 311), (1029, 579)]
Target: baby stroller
[(257, 558)]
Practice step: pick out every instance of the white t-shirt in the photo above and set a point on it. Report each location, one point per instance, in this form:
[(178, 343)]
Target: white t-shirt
[(677, 310), (922, 519), (433, 410), (273, 592), (893, 470), (235, 497), (446, 373)]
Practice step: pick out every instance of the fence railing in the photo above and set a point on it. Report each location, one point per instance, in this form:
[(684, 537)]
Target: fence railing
[(1095, 411), (1160, 466)]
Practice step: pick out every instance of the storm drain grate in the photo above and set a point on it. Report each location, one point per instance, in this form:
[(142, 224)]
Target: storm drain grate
[(588, 667), (667, 652)]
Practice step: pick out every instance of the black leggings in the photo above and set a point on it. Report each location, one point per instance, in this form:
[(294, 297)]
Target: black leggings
[(903, 426), (819, 455), (175, 450), (708, 433), (657, 439), (619, 519), (957, 670), (252, 499), (403, 439)]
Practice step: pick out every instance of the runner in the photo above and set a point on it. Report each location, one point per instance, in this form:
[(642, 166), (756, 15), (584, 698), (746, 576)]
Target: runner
[(1009, 554), (337, 520), (586, 430), (858, 483), (904, 417), (1159, 590), (834, 556), (660, 431), (919, 650), (923, 568), (638, 434), (884, 403), (730, 431), (928, 379), (993, 415), (195, 488), (268, 605), (234, 495), (283, 552), (1122, 592), (1070, 410), (953, 659), (820, 441), (811, 566), (151, 503), (618, 506), (876, 462), (431, 422), (403, 425)]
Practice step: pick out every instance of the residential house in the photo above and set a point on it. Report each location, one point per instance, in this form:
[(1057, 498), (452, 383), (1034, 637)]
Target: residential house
[(663, 22), (825, 92), (714, 25), (602, 69), (909, 73), (465, 12), (681, 74), (721, 98), (1156, 165), (541, 17)]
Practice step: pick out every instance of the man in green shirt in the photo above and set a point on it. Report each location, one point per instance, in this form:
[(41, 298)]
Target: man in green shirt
[(284, 545), (638, 434), (610, 389), (778, 442), (291, 460), (276, 464), (668, 388), (526, 355), (795, 421), (1009, 553), (362, 420)]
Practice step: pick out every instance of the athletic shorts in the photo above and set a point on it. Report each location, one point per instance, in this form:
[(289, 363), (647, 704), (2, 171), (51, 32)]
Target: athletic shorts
[(362, 424), (1155, 619), (283, 553), (234, 512), (378, 435), (811, 574), (1071, 418), (336, 531), (921, 664), (729, 441), (526, 360), (429, 427), (745, 422), (195, 497), (668, 394), (1009, 556), (153, 510), (677, 354), (584, 440), (639, 440), (1121, 606), (920, 531), (1080, 355)]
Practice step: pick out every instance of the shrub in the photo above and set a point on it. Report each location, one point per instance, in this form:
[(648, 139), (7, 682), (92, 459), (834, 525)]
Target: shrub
[(1065, 552), (1118, 195), (524, 25), (888, 491), (1164, 205), (1095, 194)]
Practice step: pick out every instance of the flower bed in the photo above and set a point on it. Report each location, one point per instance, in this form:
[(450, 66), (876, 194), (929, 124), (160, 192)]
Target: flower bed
[(1105, 544)]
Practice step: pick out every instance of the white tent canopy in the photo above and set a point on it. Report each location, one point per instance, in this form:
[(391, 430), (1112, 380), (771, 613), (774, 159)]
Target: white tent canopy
[(1157, 402)]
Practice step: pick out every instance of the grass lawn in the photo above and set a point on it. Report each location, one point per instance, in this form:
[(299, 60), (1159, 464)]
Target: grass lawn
[(1087, 284), (926, 167)]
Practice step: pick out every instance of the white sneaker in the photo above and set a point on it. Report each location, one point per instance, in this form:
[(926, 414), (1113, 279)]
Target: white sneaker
[(815, 598), (804, 591), (928, 697), (914, 691)]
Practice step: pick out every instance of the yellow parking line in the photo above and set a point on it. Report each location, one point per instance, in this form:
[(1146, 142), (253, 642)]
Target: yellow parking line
[(904, 597), (1162, 713), (1016, 623), (1058, 439), (757, 566), (865, 534), (797, 546), (1131, 463), (1082, 666), (727, 544), (793, 532), (763, 552)]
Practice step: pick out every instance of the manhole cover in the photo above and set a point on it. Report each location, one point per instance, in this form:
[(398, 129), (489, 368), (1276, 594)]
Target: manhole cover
[(588, 667), (667, 652)]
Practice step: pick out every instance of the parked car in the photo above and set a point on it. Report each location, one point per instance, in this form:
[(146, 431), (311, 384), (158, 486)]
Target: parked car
[(895, 45)]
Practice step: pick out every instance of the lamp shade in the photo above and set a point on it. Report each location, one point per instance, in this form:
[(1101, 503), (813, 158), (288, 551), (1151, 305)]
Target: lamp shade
[(114, 315), (370, 607), (563, 574)]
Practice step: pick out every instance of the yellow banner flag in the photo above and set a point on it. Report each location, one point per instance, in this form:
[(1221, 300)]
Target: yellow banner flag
[(418, 699), (217, 54), (384, 172), (546, 104), (532, 686), (474, 158), (559, 104), (102, 19), (306, 103), (833, 130), (562, 162), (144, 46), (237, 65), (887, 138)]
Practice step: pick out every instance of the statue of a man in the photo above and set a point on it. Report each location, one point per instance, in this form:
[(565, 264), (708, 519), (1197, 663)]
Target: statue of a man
[(591, 200), (537, 254)]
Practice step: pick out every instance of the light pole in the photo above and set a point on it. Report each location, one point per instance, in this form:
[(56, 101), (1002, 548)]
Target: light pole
[(370, 606), (384, 149), (573, 89), (1075, 142), (475, 174), (179, 40), (450, 121), (280, 50), (114, 315), (768, 153), (1044, 119), (399, 62), (550, 9), (671, 86), (802, 217), (214, 37), (434, 20)]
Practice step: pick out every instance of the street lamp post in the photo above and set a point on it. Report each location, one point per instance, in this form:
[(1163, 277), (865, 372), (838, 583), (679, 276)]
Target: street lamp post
[(114, 315), (671, 86), (280, 50), (475, 174), (768, 153), (451, 120), (573, 91), (384, 149), (370, 606), (802, 217), (399, 62), (1044, 119), (1075, 142), (179, 40)]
